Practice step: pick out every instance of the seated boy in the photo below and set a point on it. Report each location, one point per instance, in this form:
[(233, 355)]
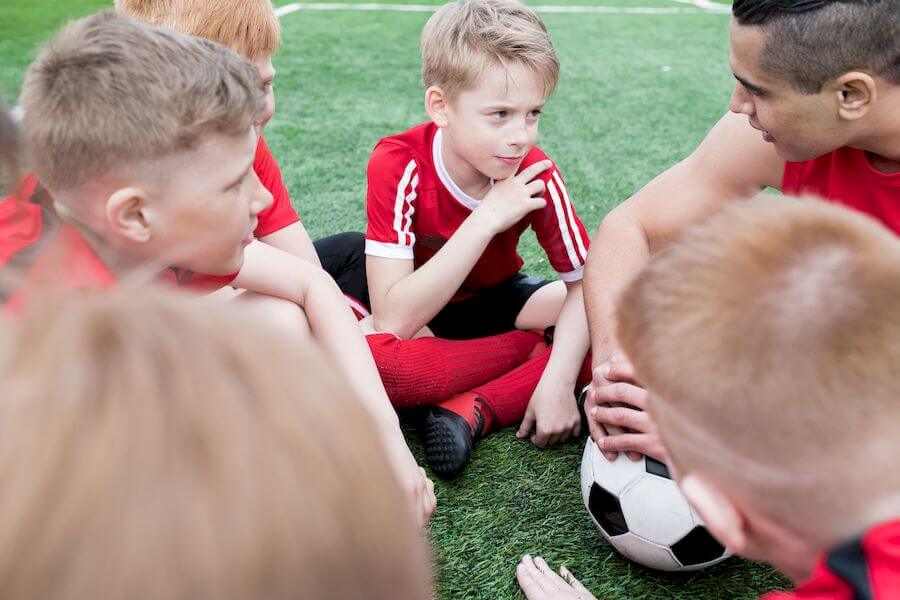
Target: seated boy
[(145, 139), (414, 372), (447, 202), (803, 324)]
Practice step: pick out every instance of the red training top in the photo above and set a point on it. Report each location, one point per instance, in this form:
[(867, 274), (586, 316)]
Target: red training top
[(413, 207), (865, 569), (845, 176)]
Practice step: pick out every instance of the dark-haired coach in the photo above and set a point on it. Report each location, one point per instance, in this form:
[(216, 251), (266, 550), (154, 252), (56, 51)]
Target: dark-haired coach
[(815, 110)]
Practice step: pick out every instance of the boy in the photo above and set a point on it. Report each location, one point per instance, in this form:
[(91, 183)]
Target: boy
[(814, 112), (414, 372), (447, 202), (805, 323), (163, 176), (193, 452)]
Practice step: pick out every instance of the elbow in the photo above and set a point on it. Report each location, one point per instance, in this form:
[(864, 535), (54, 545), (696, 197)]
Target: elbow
[(394, 325)]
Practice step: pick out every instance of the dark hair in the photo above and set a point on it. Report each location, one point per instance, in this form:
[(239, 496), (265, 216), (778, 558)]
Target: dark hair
[(812, 41)]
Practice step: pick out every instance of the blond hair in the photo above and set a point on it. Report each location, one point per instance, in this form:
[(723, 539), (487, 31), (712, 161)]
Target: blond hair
[(464, 38), (770, 338), (108, 92), (157, 447), (249, 26)]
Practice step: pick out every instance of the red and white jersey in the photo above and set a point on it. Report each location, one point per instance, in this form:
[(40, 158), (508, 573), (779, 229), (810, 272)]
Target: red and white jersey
[(413, 207)]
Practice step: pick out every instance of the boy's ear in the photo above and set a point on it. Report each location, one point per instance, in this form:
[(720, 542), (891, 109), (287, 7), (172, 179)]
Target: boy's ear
[(436, 105), (126, 214), (722, 516), (856, 94)]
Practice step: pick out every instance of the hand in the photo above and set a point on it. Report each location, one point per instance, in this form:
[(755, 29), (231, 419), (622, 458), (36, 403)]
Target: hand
[(552, 414), (413, 480), (539, 582), (618, 405), (511, 199)]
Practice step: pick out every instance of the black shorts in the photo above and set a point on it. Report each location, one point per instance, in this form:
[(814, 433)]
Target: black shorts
[(494, 310)]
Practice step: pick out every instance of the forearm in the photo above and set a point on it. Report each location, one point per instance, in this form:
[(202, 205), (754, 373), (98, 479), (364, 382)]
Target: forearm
[(571, 341), (411, 303), (295, 240), (618, 252), (273, 272), (338, 334)]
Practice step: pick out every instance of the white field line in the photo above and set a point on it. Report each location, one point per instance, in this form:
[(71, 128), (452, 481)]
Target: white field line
[(706, 4), (702, 7)]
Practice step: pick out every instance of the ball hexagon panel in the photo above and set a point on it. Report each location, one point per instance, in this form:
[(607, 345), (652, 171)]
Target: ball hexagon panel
[(698, 548), (656, 511), (606, 511), (614, 476), (646, 553)]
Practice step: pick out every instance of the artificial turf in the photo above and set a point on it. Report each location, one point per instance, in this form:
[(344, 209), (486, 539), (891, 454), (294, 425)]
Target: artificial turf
[(637, 93)]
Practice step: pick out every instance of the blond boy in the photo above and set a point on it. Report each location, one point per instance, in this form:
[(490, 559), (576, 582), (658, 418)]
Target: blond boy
[(447, 202), (159, 173), (782, 428)]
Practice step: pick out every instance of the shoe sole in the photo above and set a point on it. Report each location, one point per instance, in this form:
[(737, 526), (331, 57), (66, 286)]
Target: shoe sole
[(448, 442)]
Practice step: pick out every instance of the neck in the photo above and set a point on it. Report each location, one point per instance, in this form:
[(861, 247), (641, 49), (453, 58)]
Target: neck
[(468, 178), (883, 140), (124, 266)]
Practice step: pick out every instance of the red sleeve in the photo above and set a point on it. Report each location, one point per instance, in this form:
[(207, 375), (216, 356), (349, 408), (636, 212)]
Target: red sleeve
[(393, 181), (559, 230), (281, 213)]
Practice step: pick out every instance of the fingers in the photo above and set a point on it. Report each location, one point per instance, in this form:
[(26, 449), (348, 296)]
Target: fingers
[(636, 420), (527, 425), (570, 579), (622, 393), (532, 171), (536, 187), (631, 442)]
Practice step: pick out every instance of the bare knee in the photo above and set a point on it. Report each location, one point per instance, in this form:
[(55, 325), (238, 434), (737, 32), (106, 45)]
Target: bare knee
[(284, 314), (543, 308)]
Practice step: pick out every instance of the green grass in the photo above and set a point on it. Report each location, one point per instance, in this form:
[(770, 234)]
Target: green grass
[(345, 79)]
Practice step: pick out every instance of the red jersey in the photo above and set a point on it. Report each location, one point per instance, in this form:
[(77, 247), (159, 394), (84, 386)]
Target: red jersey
[(281, 213), (413, 207), (845, 176), (864, 568), (37, 248)]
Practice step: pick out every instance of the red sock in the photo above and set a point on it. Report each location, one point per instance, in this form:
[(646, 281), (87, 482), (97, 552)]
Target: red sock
[(506, 397), (428, 370)]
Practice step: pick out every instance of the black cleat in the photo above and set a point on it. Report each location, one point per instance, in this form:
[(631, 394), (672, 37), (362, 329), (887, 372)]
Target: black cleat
[(449, 440)]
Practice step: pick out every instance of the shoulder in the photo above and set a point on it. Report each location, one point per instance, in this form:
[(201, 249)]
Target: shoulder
[(400, 149)]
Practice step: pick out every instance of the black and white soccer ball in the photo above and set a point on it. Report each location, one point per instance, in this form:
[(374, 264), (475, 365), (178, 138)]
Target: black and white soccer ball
[(639, 509)]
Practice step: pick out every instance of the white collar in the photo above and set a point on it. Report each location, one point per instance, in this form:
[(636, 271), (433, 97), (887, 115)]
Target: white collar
[(455, 191)]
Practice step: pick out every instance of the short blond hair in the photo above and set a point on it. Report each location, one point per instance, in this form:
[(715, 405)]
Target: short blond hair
[(109, 92), (770, 338), (464, 38), (250, 27), (154, 446)]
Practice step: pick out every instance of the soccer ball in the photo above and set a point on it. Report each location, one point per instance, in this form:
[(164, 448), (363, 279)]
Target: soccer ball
[(639, 510)]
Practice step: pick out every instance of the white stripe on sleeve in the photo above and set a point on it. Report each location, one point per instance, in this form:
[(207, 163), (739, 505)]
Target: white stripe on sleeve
[(400, 200), (570, 213), (561, 222)]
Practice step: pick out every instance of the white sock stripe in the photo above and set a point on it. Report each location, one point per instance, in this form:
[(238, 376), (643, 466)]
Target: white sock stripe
[(570, 215), (561, 223)]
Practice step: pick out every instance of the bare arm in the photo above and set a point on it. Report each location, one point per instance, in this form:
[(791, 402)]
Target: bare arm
[(268, 270), (405, 299), (733, 162), (294, 239)]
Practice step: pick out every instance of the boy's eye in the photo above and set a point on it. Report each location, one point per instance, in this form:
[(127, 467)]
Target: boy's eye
[(535, 113), (500, 114)]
